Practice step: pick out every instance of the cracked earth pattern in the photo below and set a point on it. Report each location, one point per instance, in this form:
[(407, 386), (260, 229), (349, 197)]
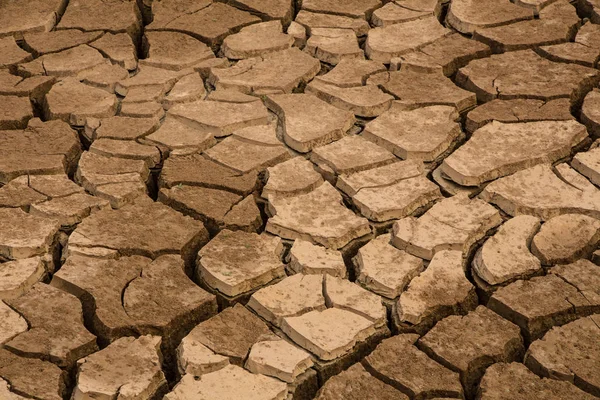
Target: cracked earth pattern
[(299, 199)]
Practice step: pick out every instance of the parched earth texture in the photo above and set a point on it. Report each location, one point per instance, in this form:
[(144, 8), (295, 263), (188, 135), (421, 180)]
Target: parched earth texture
[(299, 199)]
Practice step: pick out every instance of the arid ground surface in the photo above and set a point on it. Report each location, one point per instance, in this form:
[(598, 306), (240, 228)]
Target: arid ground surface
[(293, 200)]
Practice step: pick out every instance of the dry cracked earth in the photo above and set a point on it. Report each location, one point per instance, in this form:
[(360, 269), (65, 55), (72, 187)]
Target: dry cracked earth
[(317, 199)]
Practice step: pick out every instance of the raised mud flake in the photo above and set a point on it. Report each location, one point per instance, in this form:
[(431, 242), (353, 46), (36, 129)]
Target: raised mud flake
[(356, 384), (590, 112), (62, 340), (149, 81), (196, 170), (584, 275), (455, 223), (467, 16), (34, 87), (309, 122), (471, 343), (12, 54), (244, 157), (206, 21), (364, 101), (310, 20), (219, 118), (13, 324), (568, 353), (385, 270), (350, 8), (318, 217), (278, 72), (570, 52), (67, 63), (518, 110), (293, 296), (147, 109), (448, 53), (351, 73), (565, 238), (69, 210), (502, 76), (425, 134), (128, 367), (256, 40), (29, 16), (399, 363), (119, 48), (588, 164), (73, 102), (557, 23), (41, 43), (104, 76), (244, 216), (133, 230), (42, 148), (516, 302), (540, 192), (308, 259), (332, 45), (99, 15), (117, 127), (499, 149), (506, 256), (231, 334), (279, 359), (127, 149), (351, 154), (26, 235), (17, 193), (385, 43), (394, 13), (32, 377), (415, 89), (180, 138), (227, 383), (187, 89), (291, 177), (271, 9), (441, 290), (509, 381), (234, 262), (174, 50), (328, 334), (15, 112)]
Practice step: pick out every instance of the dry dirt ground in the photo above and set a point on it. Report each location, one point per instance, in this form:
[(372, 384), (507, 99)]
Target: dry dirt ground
[(293, 200)]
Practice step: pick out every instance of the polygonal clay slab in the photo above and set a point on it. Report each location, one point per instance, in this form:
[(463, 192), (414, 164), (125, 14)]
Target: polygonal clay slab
[(385, 270), (569, 353), (516, 302), (455, 223), (565, 238), (310, 20), (64, 339), (467, 16), (227, 383), (43, 148), (66, 63), (293, 177), (26, 235), (588, 164), (256, 40), (97, 15), (236, 262), (499, 149), (585, 277), (309, 122), (210, 23), (356, 384), (73, 102), (243, 156), (128, 367), (220, 118), (187, 89), (399, 363), (181, 138), (293, 296), (351, 154), (279, 72), (13, 324), (505, 256), (392, 13), (441, 290), (328, 334), (518, 110), (231, 333), (471, 343), (69, 210), (269, 9), (150, 79), (556, 24), (332, 45), (350, 8), (118, 48), (351, 73), (426, 134), (307, 258), (509, 381), (124, 128), (364, 101), (590, 112), (15, 112), (501, 76), (55, 41), (133, 230), (195, 170), (570, 52), (127, 149), (32, 377), (174, 50), (318, 217), (540, 192), (385, 43), (279, 359)]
